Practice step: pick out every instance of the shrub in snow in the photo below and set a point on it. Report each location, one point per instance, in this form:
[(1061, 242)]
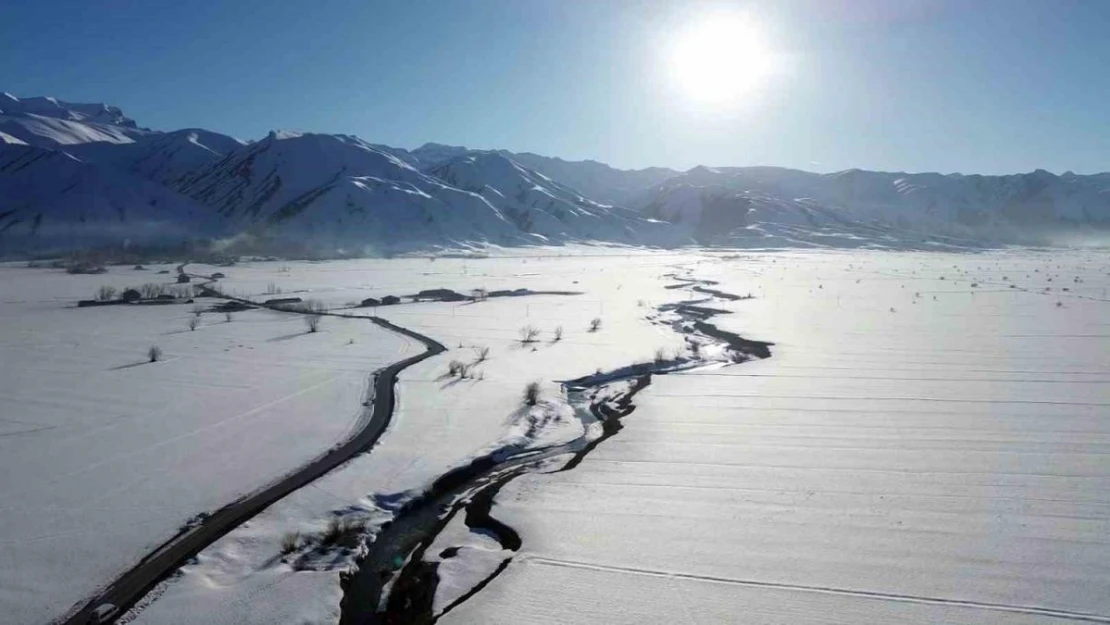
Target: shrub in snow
[(558, 333), (660, 355), (227, 316), (595, 324), (105, 293), (198, 310), (290, 542), (154, 353), (531, 393), (454, 367), (529, 334), (483, 353), (345, 532), (193, 323), (313, 322)]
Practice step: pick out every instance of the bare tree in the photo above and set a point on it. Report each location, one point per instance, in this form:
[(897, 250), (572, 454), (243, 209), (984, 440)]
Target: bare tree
[(154, 353), (595, 324), (660, 355), (558, 333), (150, 290), (193, 323), (529, 334), (106, 293), (228, 316), (313, 322), (483, 353), (198, 310)]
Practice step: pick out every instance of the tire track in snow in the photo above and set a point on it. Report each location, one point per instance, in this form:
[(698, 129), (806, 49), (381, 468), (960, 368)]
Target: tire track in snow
[(828, 590)]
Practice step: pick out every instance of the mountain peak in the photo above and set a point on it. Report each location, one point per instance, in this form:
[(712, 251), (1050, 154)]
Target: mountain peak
[(431, 145), (47, 106)]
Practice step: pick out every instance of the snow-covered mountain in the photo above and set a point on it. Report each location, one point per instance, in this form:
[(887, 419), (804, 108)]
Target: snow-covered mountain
[(591, 179), (743, 204), (51, 107), (74, 174), (337, 190), (165, 158), (539, 205), (596, 180), (50, 199)]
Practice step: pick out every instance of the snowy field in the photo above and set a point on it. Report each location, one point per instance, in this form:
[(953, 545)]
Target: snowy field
[(104, 455), (441, 422), (927, 444)]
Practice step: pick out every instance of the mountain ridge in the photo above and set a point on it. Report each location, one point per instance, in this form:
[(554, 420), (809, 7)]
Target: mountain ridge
[(340, 192)]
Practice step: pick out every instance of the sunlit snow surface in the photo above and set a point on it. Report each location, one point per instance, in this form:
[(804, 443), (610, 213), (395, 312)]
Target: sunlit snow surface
[(899, 458), (104, 455), (918, 449)]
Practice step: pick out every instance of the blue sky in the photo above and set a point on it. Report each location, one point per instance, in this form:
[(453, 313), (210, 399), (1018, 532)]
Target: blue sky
[(907, 85)]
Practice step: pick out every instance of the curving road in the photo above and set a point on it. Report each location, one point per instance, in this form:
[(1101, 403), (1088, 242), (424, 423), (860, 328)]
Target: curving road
[(132, 585)]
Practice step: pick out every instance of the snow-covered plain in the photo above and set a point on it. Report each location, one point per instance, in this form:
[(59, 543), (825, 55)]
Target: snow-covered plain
[(926, 444), (899, 458), (103, 455), (441, 422)]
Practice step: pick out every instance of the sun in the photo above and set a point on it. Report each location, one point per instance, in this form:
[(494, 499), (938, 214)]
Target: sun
[(719, 59)]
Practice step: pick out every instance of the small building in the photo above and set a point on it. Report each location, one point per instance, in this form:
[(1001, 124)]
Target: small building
[(281, 301), (218, 275), (390, 300), (85, 268), (442, 295), (231, 306), (370, 301), (139, 268), (131, 295)]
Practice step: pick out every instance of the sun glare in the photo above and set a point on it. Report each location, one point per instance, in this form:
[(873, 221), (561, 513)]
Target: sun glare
[(719, 60)]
